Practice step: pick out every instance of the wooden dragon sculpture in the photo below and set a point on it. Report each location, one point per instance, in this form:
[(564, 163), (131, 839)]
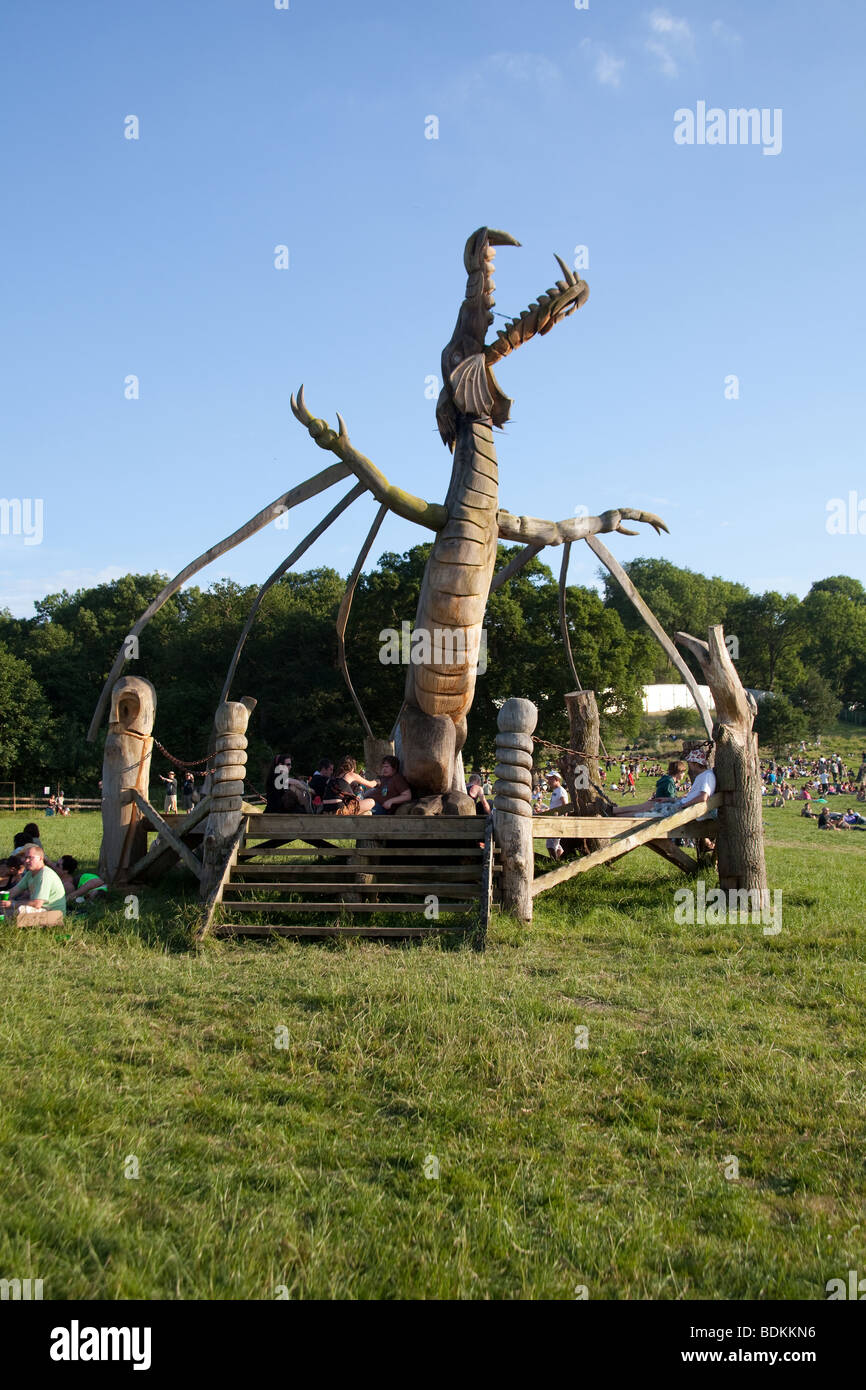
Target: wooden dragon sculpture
[(440, 689), (431, 728)]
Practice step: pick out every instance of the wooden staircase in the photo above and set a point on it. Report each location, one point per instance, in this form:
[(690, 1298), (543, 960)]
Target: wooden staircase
[(323, 876)]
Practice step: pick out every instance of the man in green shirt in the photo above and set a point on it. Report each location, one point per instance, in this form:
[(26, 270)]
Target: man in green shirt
[(41, 887)]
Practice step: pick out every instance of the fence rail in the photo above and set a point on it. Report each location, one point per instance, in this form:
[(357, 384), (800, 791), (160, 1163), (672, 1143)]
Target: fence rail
[(40, 803)]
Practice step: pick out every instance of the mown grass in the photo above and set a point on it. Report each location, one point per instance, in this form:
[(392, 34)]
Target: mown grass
[(304, 1165)]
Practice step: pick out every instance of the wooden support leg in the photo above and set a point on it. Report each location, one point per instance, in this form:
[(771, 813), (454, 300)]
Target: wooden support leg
[(512, 807)]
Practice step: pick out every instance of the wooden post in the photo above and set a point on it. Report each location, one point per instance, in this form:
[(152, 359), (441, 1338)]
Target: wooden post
[(512, 807), (740, 844), (227, 791), (584, 737), (125, 766), (375, 749)]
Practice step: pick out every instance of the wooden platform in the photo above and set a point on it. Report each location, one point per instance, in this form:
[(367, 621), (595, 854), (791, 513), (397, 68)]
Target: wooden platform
[(623, 834)]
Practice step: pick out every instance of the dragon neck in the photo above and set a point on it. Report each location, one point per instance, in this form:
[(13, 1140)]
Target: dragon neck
[(474, 488)]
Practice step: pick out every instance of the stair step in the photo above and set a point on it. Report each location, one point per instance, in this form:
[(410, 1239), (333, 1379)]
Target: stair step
[(349, 851), (250, 929), (338, 907), (460, 872), (423, 889)]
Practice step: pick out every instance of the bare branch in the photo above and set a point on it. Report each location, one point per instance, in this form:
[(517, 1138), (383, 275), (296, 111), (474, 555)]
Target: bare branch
[(535, 530)]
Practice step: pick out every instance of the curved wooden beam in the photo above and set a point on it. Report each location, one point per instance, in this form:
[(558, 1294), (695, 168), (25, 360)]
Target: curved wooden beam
[(611, 563), (311, 488), (281, 569), (345, 606), (405, 504), (516, 563)]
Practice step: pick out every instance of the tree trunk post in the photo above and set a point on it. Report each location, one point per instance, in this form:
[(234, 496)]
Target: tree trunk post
[(375, 749), (580, 769), (125, 765), (227, 788), (512, 807), (740, 842)]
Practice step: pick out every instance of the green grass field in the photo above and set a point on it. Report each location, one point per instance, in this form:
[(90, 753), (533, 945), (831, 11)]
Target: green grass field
[(302, 1168)]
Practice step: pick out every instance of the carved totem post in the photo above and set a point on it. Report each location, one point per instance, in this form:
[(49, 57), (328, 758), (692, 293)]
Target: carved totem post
[(125, 764), (512, 806), (227, 790)]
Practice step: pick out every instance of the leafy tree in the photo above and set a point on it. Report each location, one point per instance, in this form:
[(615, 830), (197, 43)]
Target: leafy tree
[(25, 720), (834, 624), (682, 600), (779, 723), (769, 636), (814, 696)]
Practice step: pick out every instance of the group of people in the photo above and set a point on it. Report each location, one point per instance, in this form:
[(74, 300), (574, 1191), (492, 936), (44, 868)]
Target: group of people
[(30, 882), (821, 778), (187, 791), (341, 790), (688, 781)]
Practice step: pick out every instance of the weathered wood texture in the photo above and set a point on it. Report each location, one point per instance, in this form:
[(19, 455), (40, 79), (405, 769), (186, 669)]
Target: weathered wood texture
[(421, 829), (162, 853), (583, 726), (616, 848), (512, 806), (181, 850), (740, 842), (125, 764), (605, 828), (217, 886), (227, 802)]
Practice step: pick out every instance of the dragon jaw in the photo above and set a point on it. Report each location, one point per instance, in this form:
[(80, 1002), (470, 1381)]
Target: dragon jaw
[(467, 361)]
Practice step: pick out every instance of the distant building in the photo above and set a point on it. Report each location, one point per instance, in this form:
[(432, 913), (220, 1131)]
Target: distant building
[(658, 699)]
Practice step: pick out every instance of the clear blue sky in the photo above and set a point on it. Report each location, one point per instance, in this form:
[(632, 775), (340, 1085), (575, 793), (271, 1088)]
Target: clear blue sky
[(306, 127)]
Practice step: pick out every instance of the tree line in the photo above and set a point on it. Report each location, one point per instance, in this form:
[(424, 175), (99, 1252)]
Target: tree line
[(810, 653)]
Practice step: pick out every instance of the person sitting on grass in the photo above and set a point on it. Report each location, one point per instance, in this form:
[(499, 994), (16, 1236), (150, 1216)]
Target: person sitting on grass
[(808, 811), (76, 884), (11, 870), (392, 790), (40, 888), (853, 818), (830, 821)]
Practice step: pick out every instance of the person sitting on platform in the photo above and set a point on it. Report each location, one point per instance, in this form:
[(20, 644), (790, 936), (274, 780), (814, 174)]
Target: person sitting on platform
[(284, 794), (319, 781), (703, 781), (391, 791), (40, 888), (666, 786)]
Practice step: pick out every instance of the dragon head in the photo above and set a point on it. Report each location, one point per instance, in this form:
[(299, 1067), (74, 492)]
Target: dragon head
[(470, 388)]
